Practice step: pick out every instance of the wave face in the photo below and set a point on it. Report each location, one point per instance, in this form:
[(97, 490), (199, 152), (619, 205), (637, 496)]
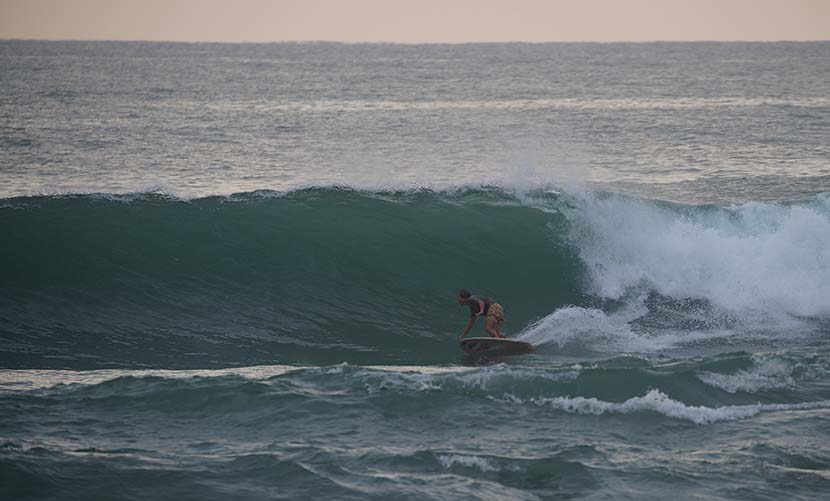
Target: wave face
[(316, 276), (327, 275)]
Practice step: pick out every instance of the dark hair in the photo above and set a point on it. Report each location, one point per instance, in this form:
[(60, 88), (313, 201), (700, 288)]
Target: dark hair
[(464, 293)]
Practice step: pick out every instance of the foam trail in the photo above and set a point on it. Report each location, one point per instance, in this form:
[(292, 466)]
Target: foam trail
[(597, 331), (588, 327)]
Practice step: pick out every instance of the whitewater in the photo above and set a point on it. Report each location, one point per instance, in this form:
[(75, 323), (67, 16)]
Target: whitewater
[(229, 270)]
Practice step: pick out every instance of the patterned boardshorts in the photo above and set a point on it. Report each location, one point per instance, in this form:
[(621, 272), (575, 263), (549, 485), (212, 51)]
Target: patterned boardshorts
[(495, 316)]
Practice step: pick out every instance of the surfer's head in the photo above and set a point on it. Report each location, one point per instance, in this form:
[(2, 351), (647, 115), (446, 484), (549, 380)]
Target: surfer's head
[(463, 296)]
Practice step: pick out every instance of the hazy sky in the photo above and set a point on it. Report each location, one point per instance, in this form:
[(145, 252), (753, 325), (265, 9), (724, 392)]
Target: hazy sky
[(416, 20)]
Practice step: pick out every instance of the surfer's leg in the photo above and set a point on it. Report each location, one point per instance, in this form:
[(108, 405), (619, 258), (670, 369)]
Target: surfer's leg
[(495, 320)]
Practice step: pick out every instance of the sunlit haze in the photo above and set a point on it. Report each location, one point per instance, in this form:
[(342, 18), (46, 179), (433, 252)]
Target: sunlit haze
[(411, 21)]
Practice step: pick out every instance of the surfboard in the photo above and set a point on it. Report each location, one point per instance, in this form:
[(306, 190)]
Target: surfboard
[(494, 346)]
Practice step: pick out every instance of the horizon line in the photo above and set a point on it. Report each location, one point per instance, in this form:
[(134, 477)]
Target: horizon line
[(383, 42)]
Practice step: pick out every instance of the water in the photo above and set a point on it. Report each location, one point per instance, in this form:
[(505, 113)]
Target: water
[(229, 270)]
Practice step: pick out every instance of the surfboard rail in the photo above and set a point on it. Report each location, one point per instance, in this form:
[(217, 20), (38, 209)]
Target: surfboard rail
[(501, 346)]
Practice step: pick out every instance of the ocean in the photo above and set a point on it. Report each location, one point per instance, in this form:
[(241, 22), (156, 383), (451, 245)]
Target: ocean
[(229, 271)]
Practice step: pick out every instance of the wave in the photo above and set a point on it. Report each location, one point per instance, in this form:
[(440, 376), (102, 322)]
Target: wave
[(766, 373), (659, 402), (714, 379), (678, 389), (295, 470), (325, 275)]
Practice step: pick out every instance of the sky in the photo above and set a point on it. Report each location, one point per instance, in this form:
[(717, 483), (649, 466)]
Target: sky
[(415, 21)]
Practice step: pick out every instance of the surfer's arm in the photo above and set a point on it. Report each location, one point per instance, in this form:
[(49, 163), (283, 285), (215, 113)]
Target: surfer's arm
[(470, 323)]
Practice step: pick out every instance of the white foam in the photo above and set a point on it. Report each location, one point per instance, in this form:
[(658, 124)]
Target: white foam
[(28, 379), (374, 377), (483, 464), (593, 329), (765, 374), (656, 401), (584, 326), (364, 106), (484, 377), (12, 379), (135, 191), (757, 256), (401, 381), (480, 378)]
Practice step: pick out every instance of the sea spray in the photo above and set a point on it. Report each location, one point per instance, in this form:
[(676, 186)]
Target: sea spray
[(757, 256)]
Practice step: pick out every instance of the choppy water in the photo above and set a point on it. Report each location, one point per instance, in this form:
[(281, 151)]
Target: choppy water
[(228, 271)]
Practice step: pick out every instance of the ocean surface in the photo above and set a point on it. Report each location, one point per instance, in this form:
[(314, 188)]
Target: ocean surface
[(228, 271)]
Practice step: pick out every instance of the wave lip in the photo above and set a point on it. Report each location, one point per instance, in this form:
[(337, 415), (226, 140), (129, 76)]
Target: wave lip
[(757, 256), (262, 387)]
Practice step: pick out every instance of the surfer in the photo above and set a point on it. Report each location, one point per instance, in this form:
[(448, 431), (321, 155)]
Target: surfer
[(482, 305)]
